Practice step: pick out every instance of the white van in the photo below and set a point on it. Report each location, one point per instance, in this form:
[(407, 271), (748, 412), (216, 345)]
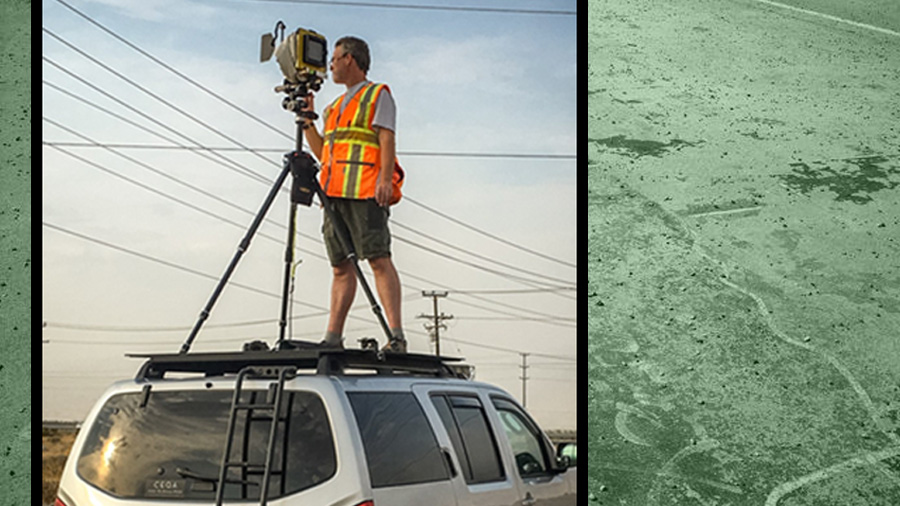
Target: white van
[(354, 428)]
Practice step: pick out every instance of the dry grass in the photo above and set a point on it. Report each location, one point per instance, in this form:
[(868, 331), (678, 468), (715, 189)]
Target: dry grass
[(57, 444)]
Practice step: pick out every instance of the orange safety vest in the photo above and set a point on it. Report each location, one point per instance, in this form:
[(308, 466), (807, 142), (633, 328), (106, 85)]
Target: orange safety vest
[(351, 156)]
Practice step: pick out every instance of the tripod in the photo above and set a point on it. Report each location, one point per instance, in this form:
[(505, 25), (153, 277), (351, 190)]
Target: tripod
[(303, 168)]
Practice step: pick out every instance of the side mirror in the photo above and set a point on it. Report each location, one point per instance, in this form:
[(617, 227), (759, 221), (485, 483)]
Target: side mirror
[(567, 452)]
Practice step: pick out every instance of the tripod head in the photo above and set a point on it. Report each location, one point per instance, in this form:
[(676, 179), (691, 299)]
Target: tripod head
[(295, 101)]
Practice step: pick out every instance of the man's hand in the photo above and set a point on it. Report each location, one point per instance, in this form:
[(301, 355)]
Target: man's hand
[(310, 106), (383, 192)]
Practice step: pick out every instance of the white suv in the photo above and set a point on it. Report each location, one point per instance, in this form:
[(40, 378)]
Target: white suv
[(354, 428)]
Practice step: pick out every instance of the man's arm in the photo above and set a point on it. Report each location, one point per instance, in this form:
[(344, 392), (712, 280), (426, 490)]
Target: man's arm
[(383, 187), (311, 133)]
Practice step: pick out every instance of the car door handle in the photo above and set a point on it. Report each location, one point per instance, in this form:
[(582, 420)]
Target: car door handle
[(449, 462), (529, 499)]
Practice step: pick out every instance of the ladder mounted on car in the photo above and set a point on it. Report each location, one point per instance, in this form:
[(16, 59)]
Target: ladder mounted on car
[(274, 400)]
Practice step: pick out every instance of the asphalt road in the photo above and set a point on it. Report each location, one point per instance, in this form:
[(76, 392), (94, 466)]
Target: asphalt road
[(744, 253)]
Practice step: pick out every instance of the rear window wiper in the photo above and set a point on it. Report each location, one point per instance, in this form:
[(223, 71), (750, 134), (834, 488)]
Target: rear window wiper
[(187, 473)]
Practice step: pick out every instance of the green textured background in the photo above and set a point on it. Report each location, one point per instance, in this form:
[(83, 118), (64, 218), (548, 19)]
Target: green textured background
[(744, 254), (15, 252)]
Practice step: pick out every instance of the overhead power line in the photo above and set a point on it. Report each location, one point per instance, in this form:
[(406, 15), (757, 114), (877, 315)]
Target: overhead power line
[(510, 350), (488, 234), (249, 212), (238, 225), (542, 317), (96, 61), (125, 328), (242, 169), (560, 321), (146, 91), (83, 53), (250, 115), (437, 154), (173, 69), (58, 147), (150, 168), (450, 8), (144, 256), (113, 148), (533, 290), (482, 257), (167, 263), (475, 265)]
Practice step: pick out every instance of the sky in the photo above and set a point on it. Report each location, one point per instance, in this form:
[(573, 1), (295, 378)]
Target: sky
[(131, 253)]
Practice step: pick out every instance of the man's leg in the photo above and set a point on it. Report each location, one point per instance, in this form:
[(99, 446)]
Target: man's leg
[(387, 282), (343, 289)]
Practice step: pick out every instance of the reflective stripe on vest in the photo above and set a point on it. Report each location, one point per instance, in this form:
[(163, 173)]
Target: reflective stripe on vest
[(351, 157)]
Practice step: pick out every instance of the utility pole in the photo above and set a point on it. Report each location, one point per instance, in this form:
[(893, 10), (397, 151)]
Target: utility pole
[(524, 376), (437, 319)]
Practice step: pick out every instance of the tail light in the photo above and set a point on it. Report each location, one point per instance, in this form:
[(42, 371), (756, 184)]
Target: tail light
[(60, 503), (367, 503)]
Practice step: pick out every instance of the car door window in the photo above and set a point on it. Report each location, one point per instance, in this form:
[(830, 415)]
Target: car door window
[(400, 447), (470, 434), (524, 438)]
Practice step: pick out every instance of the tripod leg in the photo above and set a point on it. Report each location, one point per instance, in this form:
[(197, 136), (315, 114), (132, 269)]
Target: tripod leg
[(288, 261), (244, 245)]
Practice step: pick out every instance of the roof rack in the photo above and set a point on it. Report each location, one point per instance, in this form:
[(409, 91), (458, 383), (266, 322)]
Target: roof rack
[(323, 361)]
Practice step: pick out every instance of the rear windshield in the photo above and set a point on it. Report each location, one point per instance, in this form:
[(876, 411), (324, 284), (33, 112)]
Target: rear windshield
[(172, 447)]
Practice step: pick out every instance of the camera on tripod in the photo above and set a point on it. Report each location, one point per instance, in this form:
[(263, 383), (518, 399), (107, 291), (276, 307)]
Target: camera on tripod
[(302, 56)]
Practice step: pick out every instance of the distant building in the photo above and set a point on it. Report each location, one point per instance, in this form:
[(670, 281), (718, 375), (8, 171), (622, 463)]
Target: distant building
[(562, 436)]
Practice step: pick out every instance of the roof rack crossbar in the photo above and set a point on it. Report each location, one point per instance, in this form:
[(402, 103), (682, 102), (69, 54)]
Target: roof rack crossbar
[(324, 362)]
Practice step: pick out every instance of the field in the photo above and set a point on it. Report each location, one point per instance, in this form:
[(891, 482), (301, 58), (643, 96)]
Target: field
[(56, 445), (744, 275)]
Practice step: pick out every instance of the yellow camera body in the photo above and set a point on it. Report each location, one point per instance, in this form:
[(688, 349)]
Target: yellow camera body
[(303, 54)]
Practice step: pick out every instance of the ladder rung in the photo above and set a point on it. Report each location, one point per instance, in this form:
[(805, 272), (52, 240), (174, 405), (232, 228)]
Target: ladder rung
[(254, 406), (251, 468), (263, 471)]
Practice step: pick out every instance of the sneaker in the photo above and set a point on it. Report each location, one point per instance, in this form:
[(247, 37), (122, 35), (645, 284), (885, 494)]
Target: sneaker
[(338, 345), (395, 346)]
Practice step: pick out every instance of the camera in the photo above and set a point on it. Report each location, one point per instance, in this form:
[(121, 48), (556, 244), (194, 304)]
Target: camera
[(302, 55)]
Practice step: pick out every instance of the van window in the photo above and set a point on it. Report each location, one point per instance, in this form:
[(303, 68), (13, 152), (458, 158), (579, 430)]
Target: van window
[(475, 447), (524, 438), (172, 447), (400, 447)]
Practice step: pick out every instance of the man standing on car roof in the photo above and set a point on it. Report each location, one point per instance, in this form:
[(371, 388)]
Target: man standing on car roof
[(362, 178)]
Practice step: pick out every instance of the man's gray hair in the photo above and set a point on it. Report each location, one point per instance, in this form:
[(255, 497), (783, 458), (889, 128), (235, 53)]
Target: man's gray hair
[(358, 49)]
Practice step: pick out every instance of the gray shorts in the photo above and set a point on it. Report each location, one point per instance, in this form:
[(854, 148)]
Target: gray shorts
[(366, 224)]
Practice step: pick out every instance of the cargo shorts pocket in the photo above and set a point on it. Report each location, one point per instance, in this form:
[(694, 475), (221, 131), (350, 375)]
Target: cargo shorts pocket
[(376, 216)]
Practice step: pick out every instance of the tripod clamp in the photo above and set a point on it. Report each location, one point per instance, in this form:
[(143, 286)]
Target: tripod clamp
[(295, 101)]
